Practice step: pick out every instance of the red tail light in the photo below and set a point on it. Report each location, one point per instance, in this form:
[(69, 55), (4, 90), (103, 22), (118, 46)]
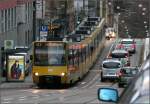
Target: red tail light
[(126, 55), (119, 74), (133, 46)]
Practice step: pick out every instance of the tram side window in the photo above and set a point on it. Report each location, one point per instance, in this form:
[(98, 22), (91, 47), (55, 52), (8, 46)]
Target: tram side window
[(71, 57), (83, 54), (87, 51), (76, 57)]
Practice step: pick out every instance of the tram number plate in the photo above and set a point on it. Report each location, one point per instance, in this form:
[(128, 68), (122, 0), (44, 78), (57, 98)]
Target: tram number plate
[(50, 70)]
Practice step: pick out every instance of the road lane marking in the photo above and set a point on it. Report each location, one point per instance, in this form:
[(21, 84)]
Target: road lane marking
[(91, 81), (6, 102), (35, 97), (46, 95), (8, 98), (110, 50), (83, 82), (22, 97), (101, 85)]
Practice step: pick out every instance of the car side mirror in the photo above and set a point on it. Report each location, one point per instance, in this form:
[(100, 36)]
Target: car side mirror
[(31, 57), (108, 94)]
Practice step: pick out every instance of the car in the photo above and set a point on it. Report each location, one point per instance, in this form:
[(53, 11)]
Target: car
[(122, 54), (110, 33), (126, 74), (128, 44), (110, 69), (135, 93)]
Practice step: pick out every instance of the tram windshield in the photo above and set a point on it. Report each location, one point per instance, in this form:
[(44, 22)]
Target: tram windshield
[(46, 54)]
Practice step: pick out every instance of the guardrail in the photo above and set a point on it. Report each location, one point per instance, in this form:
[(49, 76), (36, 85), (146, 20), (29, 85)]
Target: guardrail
[(146, 48)]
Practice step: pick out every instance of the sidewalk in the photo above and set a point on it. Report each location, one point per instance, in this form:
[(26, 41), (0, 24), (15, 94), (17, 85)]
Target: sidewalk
[(15, 85)]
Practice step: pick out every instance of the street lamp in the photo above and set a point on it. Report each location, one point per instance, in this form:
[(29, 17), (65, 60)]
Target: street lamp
[(145, 26), (144, 9), (143, 13), (118, 7), (145, 22), (140, 5), (109, 3), (122, 21)]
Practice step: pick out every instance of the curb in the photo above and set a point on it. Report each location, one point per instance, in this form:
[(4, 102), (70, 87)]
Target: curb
[(16, 85)]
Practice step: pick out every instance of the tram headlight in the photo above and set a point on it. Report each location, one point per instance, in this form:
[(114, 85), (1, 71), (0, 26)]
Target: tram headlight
[(62, 74), (36, 73)]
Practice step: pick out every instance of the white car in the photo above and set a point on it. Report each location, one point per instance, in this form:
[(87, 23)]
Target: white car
[(110, 69), (121, 54)]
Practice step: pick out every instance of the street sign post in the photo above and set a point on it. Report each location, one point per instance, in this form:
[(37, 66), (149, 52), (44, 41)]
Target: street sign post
[(43, 33)]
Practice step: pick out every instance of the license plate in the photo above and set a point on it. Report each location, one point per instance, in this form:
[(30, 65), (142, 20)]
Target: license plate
[(111, 73)]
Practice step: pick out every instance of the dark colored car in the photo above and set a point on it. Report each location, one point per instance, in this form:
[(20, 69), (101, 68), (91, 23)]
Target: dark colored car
[(138, 92), (126, 75)]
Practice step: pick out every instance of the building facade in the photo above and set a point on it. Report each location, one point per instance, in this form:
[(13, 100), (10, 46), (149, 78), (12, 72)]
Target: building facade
[(61, 13), (16, 23)]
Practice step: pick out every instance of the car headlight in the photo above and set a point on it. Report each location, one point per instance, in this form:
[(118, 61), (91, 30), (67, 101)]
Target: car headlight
[(113, 34), (62, 74), (36, 73)]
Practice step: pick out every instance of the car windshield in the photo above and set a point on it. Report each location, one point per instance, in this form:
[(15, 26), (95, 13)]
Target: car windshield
[(111, 65), (119, 55)]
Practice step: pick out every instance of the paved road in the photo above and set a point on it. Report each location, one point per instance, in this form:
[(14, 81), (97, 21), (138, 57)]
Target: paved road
[(85, 91)]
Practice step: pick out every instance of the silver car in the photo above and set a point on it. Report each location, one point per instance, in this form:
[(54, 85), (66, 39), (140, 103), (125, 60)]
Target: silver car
[(123, 55), (110, 69)]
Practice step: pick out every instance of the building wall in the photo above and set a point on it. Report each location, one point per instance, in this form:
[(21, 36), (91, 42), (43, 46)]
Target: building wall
[(61, 10), (25, 23), (16, 22)]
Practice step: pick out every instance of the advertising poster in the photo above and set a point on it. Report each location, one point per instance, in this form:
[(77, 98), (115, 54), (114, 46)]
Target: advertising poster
[(16, 68)]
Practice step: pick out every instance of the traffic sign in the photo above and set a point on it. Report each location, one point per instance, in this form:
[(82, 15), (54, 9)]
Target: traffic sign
[(43, 33), (44, 28)]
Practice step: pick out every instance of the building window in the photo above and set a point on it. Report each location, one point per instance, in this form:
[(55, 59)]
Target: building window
[(12, 17), (2, 21), (9, 19), (26, 12), (6, 20), (26, 38)]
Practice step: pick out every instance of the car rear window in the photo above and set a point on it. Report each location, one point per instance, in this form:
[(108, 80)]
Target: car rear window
[(127, 42), (111, 65), (118, 55)]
